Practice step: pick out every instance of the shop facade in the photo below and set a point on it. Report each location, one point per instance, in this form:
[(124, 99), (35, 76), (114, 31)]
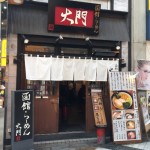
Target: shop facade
[(60, 106)]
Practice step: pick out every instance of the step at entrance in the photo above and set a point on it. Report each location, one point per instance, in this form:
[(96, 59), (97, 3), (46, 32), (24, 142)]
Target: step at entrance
[(64, 136)]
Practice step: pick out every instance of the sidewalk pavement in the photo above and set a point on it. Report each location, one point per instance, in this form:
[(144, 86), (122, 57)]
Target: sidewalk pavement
[(86, 144)]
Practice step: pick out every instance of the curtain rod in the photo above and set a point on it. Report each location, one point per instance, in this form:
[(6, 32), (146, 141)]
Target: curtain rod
[(76, 57)]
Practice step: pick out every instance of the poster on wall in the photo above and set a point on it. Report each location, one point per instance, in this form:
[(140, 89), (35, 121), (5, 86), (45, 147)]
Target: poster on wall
[(98, 108), (124, 107), (143, 74)]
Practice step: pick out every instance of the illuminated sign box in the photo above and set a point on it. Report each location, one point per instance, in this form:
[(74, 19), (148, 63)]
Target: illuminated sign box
[(70, 16)]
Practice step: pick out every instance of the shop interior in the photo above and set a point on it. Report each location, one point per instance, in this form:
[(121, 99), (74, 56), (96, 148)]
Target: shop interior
[(71, 106)]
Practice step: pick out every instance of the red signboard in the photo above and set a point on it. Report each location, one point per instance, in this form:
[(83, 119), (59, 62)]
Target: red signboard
[(71, 16), (74, 17)]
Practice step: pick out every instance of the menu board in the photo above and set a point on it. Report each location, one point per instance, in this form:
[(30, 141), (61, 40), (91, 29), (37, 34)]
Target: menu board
[(98, 108), (124, 107)]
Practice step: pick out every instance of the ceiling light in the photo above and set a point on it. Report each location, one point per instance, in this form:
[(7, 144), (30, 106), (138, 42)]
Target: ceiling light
[(117, 47), (26, 41), (88, 42), (87, 39), (60, 37)]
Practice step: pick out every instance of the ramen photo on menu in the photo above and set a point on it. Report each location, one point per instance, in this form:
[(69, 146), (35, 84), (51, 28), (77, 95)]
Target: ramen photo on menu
[(121, 100)]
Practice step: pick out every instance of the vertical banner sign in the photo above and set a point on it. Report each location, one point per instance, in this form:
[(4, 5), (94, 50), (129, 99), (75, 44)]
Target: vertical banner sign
[(124, 107), (22, 120), (98, 108)]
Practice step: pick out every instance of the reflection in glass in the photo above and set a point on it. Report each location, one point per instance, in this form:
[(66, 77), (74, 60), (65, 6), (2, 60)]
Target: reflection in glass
[(42, 88)]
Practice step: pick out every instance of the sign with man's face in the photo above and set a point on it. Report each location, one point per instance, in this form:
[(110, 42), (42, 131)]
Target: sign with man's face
[(143, 74)]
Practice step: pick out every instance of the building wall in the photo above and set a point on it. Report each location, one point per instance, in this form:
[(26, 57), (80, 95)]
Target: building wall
[(12, 51), (12, 70), (138, 31)]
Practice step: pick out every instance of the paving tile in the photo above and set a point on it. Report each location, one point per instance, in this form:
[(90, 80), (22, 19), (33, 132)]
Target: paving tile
[(87, 145)]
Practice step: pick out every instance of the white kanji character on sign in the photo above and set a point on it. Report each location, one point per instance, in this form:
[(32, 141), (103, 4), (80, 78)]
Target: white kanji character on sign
[(81, 15), (18, 129), (26, 125), (26, 105), (78, 16), (65, 15), (26, 96), (84, 17)]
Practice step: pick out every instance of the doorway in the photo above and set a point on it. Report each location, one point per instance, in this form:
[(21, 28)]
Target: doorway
[(72, 106)]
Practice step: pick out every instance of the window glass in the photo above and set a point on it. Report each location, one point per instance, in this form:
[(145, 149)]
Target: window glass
[(42, 89), (105, 4), (121, 5), (36, 48)]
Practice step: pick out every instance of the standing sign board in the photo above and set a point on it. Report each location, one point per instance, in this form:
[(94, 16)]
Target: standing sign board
[(124, 107), (22, 120), (98, 108)]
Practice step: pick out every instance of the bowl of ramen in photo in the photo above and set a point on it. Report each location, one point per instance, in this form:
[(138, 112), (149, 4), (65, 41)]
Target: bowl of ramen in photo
[(121, 100), (130, 124)]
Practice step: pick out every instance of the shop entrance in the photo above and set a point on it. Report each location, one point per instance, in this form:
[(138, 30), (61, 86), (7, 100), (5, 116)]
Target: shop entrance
[(72, 99)]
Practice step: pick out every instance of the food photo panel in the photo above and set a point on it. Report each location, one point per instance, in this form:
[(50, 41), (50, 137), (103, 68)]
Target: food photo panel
[(121, 100), (129, 114), (131, 135)]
